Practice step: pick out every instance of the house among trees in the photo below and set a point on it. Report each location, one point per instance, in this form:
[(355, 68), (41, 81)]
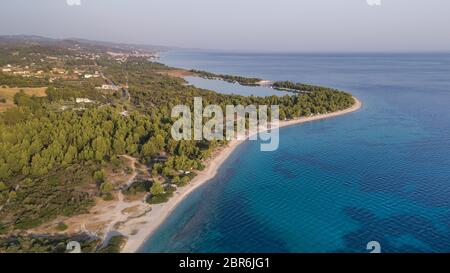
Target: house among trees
[(162, 157), (109, 87), (83, 100)]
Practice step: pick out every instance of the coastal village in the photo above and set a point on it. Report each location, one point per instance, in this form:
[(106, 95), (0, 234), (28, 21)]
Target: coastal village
[(53, 68), (82, 67)]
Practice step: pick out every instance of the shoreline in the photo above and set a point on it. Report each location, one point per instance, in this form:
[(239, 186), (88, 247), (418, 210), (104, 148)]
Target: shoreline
[(142, 228)]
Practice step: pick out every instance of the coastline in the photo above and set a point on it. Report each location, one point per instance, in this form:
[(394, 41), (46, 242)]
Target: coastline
[(143, 227)]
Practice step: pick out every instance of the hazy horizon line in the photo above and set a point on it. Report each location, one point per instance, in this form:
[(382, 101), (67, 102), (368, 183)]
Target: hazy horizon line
[(249, 51)]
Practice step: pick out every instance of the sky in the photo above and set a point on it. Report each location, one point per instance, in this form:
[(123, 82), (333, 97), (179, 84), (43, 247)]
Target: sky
[(248, 25)]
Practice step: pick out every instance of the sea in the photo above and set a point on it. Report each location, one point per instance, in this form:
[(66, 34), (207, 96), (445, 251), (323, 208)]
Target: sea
[(379, 174)]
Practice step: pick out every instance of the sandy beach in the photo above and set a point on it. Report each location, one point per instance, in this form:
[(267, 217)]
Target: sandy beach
[(138, 230)]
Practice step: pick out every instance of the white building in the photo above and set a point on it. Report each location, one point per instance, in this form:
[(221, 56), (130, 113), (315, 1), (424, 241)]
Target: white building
[(83, 100), (109, 87)]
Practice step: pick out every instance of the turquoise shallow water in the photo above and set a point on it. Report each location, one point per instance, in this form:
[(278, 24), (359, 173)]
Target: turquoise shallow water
[(382, 173)]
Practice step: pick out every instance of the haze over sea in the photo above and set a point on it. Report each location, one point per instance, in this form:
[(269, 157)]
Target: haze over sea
[(379, 174)]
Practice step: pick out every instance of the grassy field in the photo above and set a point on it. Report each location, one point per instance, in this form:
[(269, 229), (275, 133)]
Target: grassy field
[(8, 94)]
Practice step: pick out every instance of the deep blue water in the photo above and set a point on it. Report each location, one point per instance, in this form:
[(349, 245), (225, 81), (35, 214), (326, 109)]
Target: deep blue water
[(382, 173)]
